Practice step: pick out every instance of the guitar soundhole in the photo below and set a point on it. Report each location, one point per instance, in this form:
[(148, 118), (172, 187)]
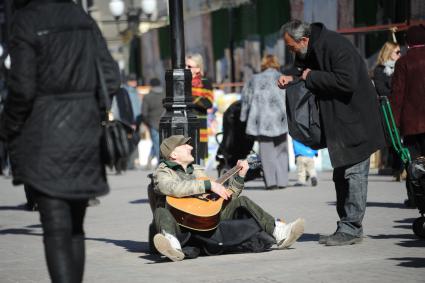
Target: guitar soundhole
[(213, 196)]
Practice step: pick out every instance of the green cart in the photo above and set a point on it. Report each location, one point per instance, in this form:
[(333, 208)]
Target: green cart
[(415, 181)]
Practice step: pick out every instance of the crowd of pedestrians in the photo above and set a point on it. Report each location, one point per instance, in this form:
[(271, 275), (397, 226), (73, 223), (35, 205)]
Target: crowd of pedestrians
[(50, 122)]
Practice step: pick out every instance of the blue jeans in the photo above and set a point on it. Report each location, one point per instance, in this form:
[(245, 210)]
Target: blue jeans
[(351, 193), (155, 142)]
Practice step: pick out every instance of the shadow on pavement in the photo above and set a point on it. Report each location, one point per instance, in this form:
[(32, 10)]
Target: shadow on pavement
[(19, 231), (406, 220), (155, 258), (415, 262), (129, 245), (404, 223), (403, 226), (387, 204), (309, 238), (138, 201), (16, 207), (407, 240), (34, 226), (379, 204)]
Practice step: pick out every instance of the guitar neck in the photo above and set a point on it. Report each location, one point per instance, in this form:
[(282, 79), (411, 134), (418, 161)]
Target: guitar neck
[(226, 176)]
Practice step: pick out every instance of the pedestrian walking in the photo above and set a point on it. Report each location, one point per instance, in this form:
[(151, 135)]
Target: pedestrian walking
[(136, 106), (264, 111), (52, 122), (152, 110), (122, 110), (304, 158), (335, 72)]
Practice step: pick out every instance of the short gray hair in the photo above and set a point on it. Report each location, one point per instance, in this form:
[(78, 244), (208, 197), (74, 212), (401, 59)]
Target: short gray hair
[(296, 29)]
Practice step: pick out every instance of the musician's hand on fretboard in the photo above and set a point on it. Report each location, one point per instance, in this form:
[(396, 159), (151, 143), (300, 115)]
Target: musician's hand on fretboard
[(244, 167)]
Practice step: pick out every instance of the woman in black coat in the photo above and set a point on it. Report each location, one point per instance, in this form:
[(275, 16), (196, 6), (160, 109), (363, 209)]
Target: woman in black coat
[(52, 122), (387, 57), (384, 69)]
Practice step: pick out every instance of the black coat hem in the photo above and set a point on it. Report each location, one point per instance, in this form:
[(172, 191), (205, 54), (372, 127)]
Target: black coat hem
[(87, 194)]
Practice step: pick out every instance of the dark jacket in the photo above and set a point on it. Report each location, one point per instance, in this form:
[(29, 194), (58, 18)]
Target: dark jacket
[(382, 81), (152, 107), (52, 117), (347, 98), (121, 107), (408, 99)]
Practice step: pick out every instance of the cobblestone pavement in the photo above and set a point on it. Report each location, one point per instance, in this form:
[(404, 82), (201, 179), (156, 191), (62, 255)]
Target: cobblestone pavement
[(117, 239)]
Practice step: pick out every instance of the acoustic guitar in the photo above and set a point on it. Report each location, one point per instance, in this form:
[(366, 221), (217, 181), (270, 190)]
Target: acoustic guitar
[(202, 212)]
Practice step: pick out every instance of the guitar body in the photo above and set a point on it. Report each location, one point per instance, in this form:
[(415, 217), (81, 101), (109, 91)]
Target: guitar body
[(196, 213)]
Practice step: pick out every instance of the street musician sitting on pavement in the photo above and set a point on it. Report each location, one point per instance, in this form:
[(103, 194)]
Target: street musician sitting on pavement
[(178, 177)]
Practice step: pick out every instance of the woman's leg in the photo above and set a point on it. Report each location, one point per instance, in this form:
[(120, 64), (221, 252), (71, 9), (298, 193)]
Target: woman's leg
[(78, 211), (281, 155), (56, 220), (301, 170), (30, 205), (268, 161)]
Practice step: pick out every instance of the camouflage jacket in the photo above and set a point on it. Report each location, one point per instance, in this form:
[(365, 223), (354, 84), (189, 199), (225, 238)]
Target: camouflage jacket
[(171, 179)]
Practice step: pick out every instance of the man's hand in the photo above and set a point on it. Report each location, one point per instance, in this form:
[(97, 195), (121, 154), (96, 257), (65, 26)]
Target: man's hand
[(284, 80), (245, 167), (305, 74), (220, 190)]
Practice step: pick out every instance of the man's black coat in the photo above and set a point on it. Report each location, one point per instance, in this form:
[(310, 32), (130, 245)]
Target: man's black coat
[(348, 102), (51, 118)]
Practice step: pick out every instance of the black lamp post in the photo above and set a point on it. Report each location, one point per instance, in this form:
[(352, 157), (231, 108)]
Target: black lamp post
[(178, 118)]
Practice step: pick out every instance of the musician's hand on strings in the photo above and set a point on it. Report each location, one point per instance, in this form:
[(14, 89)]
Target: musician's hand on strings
[(245, 167), (220, 190)]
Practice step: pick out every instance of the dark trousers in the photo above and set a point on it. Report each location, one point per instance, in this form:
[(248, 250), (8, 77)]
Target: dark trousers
[(351, 196), (29, 194), (63, 236), (274, 158), (164, 220)]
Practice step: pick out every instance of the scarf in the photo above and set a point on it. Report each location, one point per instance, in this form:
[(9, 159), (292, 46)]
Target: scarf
[(389, 67)]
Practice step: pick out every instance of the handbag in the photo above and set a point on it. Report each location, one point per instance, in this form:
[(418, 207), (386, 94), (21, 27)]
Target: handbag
[(116, 135)]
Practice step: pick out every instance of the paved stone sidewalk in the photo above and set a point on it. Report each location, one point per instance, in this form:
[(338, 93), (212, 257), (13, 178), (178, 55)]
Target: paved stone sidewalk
[(117, 235)]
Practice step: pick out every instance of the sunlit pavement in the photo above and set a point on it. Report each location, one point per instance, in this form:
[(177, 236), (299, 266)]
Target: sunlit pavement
[(117, 239)]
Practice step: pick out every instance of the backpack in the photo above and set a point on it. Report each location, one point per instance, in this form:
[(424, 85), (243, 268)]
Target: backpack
[(416, 183), (303, 116)]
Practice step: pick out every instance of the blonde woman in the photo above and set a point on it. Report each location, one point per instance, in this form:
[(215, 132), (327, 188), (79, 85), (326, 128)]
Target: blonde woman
[(383, 73), (264, 110), (384, 69), (203, 99)]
